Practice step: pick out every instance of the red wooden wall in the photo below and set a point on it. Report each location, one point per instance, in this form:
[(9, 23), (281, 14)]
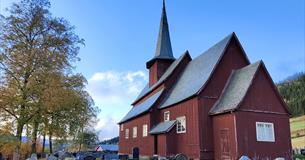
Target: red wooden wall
[(225, 141), (263, 104), (233, 58), (187, 143), (145, 144)]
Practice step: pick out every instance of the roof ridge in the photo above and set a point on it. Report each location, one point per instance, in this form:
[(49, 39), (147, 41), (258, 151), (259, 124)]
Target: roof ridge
[(206, 63), (259, 62), (227, 38)]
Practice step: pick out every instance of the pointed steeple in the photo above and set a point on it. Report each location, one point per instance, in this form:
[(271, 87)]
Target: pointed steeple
[(164, 47)]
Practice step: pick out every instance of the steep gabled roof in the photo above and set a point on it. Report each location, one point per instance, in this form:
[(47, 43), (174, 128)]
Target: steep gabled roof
[(236, 89), (142, 108), (197, 73), (163, 127), (167, 73)]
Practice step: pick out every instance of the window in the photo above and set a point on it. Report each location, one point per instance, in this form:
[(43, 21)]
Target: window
[(145, 130), (122, 127), (166, 116), (264, 132), (126, 133), (134, 132), (181, 124)]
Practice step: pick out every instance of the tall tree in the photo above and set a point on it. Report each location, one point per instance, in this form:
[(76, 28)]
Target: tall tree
[(86, 140), (32, 43), (293, 92), (65, 102)]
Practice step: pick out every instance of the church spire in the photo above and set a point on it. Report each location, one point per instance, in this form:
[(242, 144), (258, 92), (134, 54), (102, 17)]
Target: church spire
[(164, 47)]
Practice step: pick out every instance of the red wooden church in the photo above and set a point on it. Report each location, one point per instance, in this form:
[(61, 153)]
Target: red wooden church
[(215, 106)]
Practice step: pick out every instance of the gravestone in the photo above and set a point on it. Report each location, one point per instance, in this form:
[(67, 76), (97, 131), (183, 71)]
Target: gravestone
[(181, 157), (244, 158), (51, 157)]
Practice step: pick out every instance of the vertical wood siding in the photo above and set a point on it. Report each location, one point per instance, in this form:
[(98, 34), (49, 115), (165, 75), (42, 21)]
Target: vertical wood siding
[(246, 133), (145, 144), (186, 143), (262, 98), (225, 146), (261, 95), (232, 59)]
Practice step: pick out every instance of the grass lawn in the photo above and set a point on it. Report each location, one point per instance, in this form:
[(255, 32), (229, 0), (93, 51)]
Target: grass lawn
[(297, 125), (298, 142)]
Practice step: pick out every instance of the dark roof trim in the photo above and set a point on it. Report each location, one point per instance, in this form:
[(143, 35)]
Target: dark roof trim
[(222, 93), (163, 127), (261, 65), (275, 88), (230, 37), (165, 76), (188, 98), (151, 62), (224, 90), (142, 108), (233, 35)]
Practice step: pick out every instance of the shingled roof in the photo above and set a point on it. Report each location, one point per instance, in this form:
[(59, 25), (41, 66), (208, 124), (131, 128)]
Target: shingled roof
[(163, 127), (167, 73), (196, 73), (192, 79), (141, 108), (236, 89)]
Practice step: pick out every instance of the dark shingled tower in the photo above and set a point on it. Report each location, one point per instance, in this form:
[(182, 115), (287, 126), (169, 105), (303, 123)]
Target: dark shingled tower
[(164, 54)]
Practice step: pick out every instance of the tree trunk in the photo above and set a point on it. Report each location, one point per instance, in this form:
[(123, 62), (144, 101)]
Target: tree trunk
[(82, 139), (19, 137), (80, 146), (43, 142), (50, 142), (34, 137)]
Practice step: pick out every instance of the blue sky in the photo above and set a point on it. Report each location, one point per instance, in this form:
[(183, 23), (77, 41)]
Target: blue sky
[(121, 36)]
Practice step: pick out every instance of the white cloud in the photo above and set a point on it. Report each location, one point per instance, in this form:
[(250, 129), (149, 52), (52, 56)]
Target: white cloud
[(113, 92), (107, 128), (115, 87)]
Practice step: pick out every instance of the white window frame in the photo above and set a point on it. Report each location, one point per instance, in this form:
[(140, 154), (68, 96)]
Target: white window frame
[(265, 132), (134, 132), (122, 127), (126, 133), (167, 118), (181, 121), (145, 129)]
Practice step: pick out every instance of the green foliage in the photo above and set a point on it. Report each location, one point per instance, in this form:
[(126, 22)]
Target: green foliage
[(299, 157), (87, 140), (38, 90), (293, 93)]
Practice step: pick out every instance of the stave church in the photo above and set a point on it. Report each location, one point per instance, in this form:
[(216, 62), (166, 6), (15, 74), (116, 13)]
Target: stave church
[(218, 106)]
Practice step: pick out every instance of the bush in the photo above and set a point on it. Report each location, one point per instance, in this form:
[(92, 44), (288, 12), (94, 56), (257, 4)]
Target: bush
[(299, 157)]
